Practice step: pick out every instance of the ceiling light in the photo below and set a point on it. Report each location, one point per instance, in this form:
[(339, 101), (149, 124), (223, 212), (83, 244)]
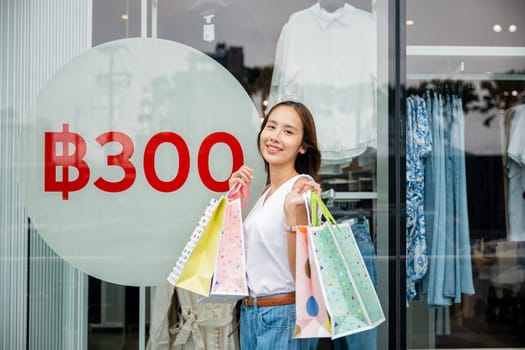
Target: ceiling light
[(124, 17), (410, 22), (513, 28), (497, 28), (514, 93)]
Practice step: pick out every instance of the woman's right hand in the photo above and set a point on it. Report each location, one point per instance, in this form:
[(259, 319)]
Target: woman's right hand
[(243, 175)]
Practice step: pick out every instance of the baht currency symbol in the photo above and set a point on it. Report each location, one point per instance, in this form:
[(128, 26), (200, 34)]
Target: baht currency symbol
[(62, 158)]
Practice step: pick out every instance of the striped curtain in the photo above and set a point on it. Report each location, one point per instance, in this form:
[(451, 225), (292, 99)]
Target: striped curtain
[(43, 300)]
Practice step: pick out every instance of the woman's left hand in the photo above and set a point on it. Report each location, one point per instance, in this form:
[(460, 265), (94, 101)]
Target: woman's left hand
[(294, 199)]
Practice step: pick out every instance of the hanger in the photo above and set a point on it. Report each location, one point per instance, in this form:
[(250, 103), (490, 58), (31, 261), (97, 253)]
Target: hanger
[(332, 5), (329, 197), (199, 3)]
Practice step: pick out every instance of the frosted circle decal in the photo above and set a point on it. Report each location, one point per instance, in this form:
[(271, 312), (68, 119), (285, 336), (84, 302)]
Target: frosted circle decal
[(124, 148)]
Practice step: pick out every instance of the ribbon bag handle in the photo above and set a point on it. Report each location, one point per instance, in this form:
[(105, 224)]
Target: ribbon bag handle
[(306, 198), (315, 203), (239, 190)]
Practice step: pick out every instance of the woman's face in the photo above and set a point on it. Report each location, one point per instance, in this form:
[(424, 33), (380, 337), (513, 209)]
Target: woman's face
[(282, 136)]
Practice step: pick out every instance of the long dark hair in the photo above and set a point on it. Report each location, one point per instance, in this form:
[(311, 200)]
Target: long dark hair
[(308, 162)]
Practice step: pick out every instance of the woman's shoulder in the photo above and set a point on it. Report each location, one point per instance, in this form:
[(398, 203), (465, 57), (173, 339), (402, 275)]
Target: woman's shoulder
[(301, 179)]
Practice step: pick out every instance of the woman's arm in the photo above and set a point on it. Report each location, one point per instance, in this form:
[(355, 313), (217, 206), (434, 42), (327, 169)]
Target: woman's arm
[(295, 214)]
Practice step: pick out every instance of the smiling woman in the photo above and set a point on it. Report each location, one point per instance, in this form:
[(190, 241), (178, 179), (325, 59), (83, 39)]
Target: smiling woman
[(288, 145)]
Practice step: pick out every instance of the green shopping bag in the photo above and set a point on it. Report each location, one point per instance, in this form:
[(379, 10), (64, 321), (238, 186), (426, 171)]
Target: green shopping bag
[(348, 291)]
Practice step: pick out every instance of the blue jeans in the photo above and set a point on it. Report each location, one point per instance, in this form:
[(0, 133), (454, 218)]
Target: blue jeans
[(367, 339), (463, 266), (271, 328), (450, 271), (435, 203)]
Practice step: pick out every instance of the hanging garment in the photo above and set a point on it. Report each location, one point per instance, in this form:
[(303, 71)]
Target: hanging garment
[(328, 61), (450, 268), (516, 176), (506, 123), (179, 323), (204, 326), (435, 198), (164, 315), (461, 268), (418, 147)]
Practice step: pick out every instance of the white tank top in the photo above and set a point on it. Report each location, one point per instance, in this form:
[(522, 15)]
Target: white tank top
[(267, 268)]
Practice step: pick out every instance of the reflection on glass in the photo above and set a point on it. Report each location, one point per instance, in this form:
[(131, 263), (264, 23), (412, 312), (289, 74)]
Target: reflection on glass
[(486, 76)]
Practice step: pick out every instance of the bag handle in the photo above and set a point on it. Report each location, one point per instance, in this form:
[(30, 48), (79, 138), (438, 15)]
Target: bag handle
[(306, 198), (317, 202), (239, 190)]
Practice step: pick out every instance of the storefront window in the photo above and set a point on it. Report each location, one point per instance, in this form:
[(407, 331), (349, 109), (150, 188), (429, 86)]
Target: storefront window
[(465, 238), (73, 59), (462, 79), (307, 52)]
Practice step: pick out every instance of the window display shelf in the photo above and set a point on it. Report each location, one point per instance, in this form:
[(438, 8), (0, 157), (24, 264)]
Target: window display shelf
[(331, 194), (430, 50), (466, 76)]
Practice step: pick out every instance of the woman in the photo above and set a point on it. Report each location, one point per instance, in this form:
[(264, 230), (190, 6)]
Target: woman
[(287, 142)]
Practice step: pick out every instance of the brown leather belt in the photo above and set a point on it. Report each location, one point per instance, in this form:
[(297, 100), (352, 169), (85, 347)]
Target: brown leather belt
[(272, 300)]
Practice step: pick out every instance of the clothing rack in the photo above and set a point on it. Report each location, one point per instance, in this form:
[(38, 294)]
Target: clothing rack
[(331, 195), (437, 50), (447, 87), (466, 76), (465, 51)]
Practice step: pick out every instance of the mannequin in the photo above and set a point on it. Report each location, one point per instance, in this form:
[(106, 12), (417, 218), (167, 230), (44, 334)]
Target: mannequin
[(331, 5)]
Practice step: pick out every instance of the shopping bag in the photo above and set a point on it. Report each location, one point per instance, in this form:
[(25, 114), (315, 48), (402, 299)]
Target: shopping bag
[(192, 242), (311, 316), (348, 291), (229, 278), (194, 268)]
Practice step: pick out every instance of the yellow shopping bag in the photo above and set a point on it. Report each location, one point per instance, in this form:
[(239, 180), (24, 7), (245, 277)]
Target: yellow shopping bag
[(197, 271)]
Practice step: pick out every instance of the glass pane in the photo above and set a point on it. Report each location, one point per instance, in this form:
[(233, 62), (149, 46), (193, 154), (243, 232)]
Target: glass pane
[(465, 238), (332, 55), (305, 51)]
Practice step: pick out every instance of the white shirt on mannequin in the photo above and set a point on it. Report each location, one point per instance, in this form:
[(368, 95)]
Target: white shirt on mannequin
[(328, 61)]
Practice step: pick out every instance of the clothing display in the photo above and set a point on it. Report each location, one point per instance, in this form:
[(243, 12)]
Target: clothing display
[(328, 61), (418, 147), (196, 326), (438, 236), (164, 315), (515, 152), (204, 326)]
